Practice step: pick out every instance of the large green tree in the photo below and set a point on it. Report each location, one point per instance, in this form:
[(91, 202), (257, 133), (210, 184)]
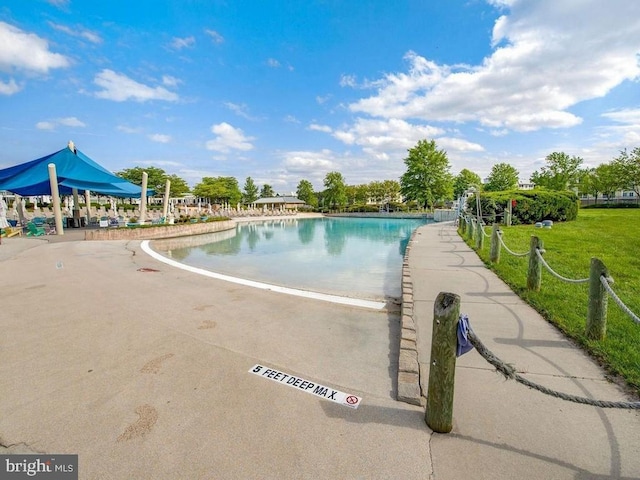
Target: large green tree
[(178, 186), (561, 172), (250, 193), (267, 191), (590, 183), (609, 179), (376, 191), (306, 194), (156, 179), (335, 195), (219, 190), (627, 166), (390, 190), (502, 177), (427, 179), (464, 180), (362, 193)]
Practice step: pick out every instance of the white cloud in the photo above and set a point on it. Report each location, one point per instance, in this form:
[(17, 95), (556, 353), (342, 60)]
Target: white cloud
[(9, 88), (78, 32), (215, 36), (228, 138), (45, 126), (70, 122), (179, 43), (291, 119), (125, 129), (160, 138), (240, 109), (170, 81), (548, 56), (385, 136), (320, 128), (65, 121), (458, 144), (20, 50), (624, 135), (347, 81), (59, 3), (320, 163), (628, 116), (119, 88), (273, 63), (324, 99)]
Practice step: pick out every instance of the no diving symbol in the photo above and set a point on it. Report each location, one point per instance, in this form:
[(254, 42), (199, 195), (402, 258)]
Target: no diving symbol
[(351, 400)]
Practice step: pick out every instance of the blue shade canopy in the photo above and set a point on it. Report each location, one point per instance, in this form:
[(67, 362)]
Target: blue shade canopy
[(73, 169)]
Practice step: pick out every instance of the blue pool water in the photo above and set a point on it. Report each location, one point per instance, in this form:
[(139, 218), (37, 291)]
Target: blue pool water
[(355, 257)]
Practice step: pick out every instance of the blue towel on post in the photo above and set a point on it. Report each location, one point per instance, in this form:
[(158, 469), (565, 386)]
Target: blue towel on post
[(464, 345)]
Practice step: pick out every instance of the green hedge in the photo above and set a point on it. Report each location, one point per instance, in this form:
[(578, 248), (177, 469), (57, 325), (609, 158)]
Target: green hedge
[(529, 206)]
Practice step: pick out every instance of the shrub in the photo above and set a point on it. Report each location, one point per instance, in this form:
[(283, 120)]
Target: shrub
[(529, 206), (363, 208), (613, 205)]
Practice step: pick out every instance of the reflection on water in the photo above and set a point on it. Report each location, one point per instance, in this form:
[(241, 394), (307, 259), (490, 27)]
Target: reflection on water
[(358, 257)]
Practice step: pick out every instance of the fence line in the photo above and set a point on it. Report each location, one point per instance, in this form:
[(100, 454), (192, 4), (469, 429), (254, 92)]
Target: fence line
[(606, 284), (557, 275), (509, 250), (533, 279), (510, 373)]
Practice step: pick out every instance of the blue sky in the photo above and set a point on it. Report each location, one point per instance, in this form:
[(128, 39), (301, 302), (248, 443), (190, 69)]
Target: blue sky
[(288, 90)]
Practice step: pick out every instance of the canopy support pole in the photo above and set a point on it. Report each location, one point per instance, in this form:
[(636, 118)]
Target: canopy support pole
[(87, 201), (143, 198), (76, 207), (53, 181), (165, 206)]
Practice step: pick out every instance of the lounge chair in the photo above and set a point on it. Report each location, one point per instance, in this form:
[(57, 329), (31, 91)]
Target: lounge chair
[(10, 232), (34, 231)]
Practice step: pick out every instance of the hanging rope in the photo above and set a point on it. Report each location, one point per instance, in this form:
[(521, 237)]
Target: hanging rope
[(508, 250), (605, 283), (510, 373), (557, 275)]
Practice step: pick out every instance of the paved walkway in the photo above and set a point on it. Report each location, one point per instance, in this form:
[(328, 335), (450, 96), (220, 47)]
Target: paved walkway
[(143, 371), (501, 428)]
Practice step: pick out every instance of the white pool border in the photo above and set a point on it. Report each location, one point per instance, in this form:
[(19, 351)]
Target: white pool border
[(354, 302)]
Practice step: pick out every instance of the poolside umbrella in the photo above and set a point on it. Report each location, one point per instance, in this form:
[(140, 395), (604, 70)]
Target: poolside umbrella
[(3, 213)]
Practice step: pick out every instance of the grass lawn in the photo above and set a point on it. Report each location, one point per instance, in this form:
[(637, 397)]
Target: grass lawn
[(613, 236)]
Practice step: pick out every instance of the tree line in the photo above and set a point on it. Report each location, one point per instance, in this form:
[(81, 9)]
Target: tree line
[(427, 181)]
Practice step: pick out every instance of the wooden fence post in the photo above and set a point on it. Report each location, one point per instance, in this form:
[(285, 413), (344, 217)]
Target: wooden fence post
[(494, 252), (596, 327), (472, 229), (534, 274), (442, 369), (479, 236), (463, 225)]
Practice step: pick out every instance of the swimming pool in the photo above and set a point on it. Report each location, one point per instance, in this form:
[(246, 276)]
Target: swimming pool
[(354, 257)]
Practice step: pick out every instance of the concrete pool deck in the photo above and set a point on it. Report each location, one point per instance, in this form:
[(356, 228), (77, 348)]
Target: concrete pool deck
[(143, 371)]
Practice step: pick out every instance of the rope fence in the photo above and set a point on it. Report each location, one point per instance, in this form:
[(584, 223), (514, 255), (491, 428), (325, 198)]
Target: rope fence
[(555, 274), (599, 279), (510, 373), (453, 336), (509, 250), (606, 284)]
